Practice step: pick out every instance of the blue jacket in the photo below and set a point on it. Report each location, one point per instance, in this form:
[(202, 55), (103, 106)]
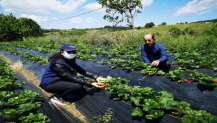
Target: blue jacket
[(155, 52), (64, 70)]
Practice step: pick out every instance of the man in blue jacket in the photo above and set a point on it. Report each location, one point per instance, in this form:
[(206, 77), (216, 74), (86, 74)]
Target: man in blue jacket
[(154, 54)]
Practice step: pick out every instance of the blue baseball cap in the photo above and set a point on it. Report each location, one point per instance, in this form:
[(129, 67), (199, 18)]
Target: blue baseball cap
[(68, 47)]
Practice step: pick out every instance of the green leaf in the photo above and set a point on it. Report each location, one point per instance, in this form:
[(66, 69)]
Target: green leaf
[(137, 112)]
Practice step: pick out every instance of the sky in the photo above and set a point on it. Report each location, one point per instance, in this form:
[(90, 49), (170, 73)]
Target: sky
[(64, 14)]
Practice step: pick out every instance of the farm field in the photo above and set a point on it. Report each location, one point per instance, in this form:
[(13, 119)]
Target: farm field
[(151, 93)]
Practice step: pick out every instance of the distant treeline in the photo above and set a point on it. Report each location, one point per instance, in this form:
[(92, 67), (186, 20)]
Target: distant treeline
[(204, 21), (12, 28)]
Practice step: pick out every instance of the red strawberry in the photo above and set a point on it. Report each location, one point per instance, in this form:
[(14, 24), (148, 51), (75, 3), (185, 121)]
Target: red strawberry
[(214, 80), (186, 81)]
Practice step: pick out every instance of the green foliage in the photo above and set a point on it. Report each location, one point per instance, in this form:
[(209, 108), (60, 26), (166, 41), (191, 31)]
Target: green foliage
[(16, 104), (163, 23), (149, 70), (106, 118), (34, 118), (12, 28), (137, 112), (193, 116), (8, 28), (212, 30), (26, 55), (28, 27), (203, 79), (175, 31), (11, 114), (151, 105), (119, 10), (175, 74), (188, 31), (7, 84), (149, 25)]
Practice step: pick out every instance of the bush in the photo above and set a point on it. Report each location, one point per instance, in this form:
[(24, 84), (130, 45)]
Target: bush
[(28, 27), (139, 27), (175, 31), (149, 25), (12, 28), (211, 31), (164, 23), (8, 29), (188, 31)]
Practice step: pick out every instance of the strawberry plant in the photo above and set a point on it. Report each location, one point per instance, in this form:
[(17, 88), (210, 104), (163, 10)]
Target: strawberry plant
[(13, 114), (7, 84), (27, 55), (203, 79), (34, 118), (149, 104), (149, 70), (137, 112), (175, 74), (215, 69), (17, 103)]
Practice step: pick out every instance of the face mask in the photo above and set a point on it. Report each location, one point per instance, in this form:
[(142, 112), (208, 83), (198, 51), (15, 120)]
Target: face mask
[(68, 56)]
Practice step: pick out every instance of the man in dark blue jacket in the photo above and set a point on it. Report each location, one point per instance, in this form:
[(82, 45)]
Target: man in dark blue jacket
[(154, 54), (61, 77)]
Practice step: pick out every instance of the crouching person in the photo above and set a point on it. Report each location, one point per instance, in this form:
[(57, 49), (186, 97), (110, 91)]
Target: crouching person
[(154, 54), (60, 77)]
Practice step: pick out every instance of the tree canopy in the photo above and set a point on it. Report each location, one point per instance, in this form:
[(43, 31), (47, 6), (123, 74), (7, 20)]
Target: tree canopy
[(12, 28), (118, 11)]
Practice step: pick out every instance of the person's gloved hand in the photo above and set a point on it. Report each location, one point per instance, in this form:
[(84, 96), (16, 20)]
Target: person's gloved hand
[(100, 79), (99, 85)]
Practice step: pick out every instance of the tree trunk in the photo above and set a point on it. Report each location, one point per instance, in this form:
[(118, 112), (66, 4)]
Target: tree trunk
[(131, 19)]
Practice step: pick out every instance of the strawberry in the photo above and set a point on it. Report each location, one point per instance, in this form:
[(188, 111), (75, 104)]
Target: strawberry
[(214, 80), (186, 81)]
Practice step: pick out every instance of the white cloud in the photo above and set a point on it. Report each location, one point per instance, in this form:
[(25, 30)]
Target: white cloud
[(76, 20), (8, 11), (146, 2), (196, 7), (82, 20), (41, 6), (37, 18), (94, 6)]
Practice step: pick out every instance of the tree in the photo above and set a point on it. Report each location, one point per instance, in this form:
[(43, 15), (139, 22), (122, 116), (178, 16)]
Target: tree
[(149, 25), (28, 27), (8, 27), (163, 23), (118, 11), (12, 28)]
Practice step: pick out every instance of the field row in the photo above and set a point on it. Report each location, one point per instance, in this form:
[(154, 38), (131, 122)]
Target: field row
[(179, 74), (18, 104)]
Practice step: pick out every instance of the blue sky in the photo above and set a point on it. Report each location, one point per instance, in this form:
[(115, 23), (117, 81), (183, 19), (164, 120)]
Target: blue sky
[(52, 13)]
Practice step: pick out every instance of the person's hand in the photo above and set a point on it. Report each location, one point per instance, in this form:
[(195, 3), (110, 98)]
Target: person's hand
[(99, 85), (100, 79), (155, 63)]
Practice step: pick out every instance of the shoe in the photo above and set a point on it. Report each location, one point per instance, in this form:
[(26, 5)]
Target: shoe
[(58, 101)]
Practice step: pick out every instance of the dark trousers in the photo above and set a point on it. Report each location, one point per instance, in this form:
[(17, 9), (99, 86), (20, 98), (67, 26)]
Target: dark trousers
[(66, 90), (164, 67)]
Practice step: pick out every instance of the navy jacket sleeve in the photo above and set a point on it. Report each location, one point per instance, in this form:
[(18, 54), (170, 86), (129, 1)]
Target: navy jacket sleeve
[(83, 72), (62, 71), (164, 56), (144, 55)]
